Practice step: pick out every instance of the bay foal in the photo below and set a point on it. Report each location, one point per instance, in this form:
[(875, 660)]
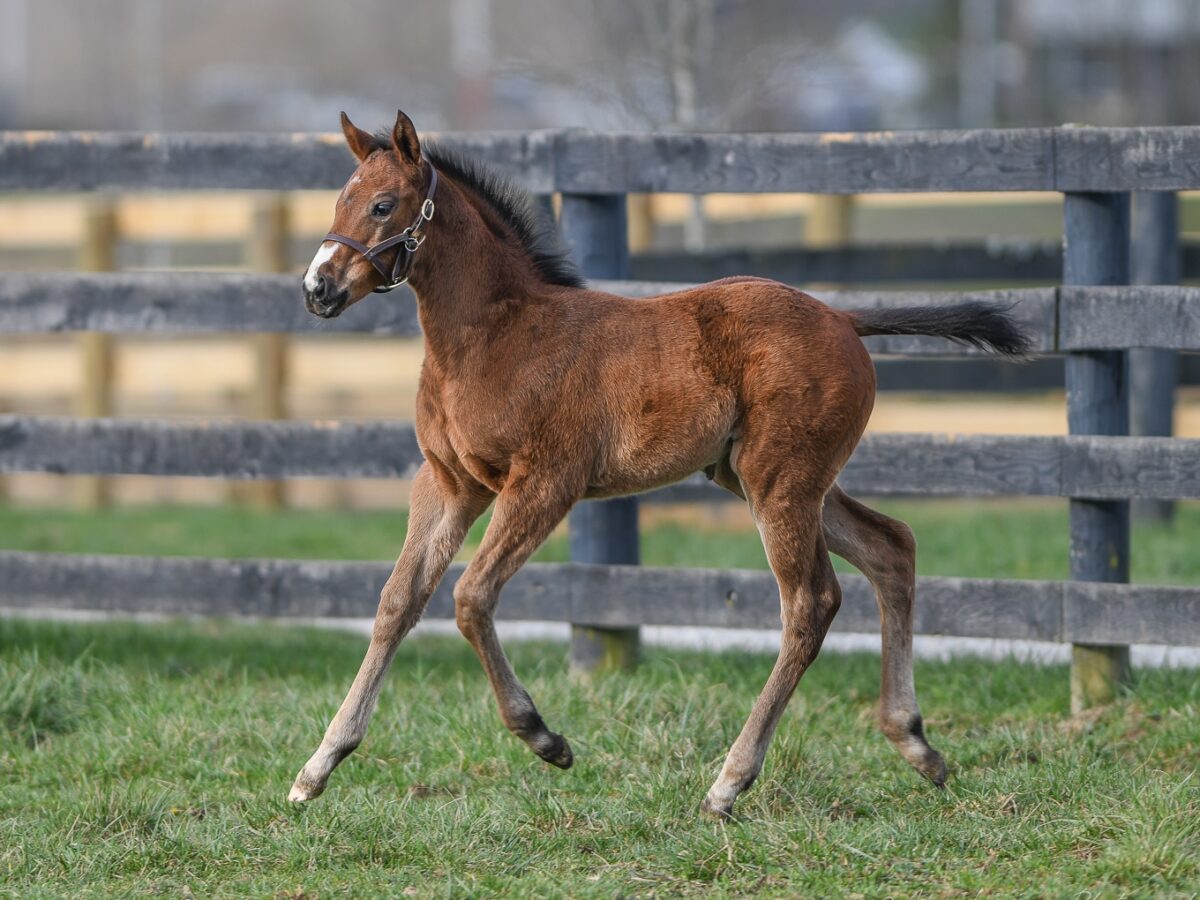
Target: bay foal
[(537, 392)]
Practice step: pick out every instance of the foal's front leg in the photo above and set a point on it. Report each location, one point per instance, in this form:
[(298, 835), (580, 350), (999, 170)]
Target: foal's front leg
[(439, 516), (524, 516)]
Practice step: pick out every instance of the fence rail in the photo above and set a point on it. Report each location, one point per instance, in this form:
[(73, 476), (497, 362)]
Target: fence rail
[(1091, 321), (1088, 466), (1058, 319), (598, 595), (582, 162), (997, 261)]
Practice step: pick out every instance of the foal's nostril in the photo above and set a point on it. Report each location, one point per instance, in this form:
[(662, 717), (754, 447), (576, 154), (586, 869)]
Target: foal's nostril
[(320, 287)]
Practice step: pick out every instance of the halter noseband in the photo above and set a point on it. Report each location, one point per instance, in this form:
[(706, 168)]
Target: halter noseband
[(407, 242)]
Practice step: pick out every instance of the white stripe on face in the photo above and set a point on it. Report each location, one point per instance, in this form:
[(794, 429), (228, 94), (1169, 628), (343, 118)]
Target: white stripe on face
[(323, 256)]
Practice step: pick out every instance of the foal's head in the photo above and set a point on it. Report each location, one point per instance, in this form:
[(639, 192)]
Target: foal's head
[(384, 198)]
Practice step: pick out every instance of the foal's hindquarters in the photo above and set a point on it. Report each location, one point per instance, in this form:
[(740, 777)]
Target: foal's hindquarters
[(805, 405)]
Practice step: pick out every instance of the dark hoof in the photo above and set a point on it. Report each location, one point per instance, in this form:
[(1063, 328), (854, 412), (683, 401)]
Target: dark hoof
[(711, 810), (557, 752), (934, 768)]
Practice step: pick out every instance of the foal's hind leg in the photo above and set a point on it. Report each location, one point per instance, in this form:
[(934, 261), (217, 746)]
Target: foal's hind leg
[(883, 549), (439, 515), (789, 519), (525, 514)]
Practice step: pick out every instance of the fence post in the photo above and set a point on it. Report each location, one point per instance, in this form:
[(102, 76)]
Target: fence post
[(97, 253), (1153, 372), (830, 220), (268, 251), (1096, 251), (601, 531)]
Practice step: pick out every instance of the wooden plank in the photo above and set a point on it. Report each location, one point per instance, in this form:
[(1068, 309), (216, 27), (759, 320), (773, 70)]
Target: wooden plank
[(955, 465), (1127, 159), (1096, 467), (1001, 160), (608, 596), (1070, 159), (1122, 468), (88, 161), (1093, 613), (185, 302), (1015, 260), (208, 302), (1109, 614), (1119, 316), (254, 449)]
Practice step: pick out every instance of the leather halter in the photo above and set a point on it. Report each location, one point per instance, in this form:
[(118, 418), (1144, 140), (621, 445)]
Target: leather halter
[(407, 242)]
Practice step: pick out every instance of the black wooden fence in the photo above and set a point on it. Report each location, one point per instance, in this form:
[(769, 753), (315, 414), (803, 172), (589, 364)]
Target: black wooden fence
[(1092, 319)]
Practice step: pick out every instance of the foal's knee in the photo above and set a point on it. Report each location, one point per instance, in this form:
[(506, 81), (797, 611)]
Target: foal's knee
[(398, 612), (472, 610), (811, 618)]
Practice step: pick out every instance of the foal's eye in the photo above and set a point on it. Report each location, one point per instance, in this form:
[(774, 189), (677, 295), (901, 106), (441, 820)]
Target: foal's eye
[(383, 208)]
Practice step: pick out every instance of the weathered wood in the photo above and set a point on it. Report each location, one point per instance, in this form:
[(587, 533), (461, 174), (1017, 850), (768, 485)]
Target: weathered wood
[(594, 228), (1098, 318), (1154, 373), (184, 303), (903, 464), (222, 449), (606, 596), (1126, 159), (1016, 159), (1105, 614), (1096, 251), (1065, 159), (210, 302), (88, 161)]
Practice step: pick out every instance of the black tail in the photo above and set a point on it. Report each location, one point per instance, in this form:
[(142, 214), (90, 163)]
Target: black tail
[(987, 326)]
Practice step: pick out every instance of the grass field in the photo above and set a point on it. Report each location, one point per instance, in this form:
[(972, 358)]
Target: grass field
[(971, 538), (154, 759)]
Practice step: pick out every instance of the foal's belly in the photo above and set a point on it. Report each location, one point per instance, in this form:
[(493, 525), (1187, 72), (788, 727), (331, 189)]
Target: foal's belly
[(651, 451)]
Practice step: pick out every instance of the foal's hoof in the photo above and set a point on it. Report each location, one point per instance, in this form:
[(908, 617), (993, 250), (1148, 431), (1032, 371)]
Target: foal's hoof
[(303, 791), (718, 812), (933, 767), (557, 752)]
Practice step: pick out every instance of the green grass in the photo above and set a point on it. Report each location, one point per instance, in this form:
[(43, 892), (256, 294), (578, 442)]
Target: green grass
[(154, 758), (983, 539)]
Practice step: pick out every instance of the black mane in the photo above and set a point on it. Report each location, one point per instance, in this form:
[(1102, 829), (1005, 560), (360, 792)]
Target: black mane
[(512, 206)]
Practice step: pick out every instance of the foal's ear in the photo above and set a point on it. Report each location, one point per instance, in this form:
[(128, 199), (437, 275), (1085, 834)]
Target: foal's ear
[(361, 143), (404, 138)]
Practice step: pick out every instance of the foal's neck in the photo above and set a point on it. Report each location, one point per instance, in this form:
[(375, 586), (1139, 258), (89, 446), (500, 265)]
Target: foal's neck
[(461, 275)]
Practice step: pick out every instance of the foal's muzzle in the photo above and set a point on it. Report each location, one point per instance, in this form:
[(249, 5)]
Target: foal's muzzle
[(321, 300)]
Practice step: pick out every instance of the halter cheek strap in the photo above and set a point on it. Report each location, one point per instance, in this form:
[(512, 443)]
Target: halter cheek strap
[(406, 243)]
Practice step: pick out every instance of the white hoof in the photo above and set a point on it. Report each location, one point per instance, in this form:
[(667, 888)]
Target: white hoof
[(302, 792)]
